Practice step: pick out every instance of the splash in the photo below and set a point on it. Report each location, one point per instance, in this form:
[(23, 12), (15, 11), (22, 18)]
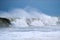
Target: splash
[(29, 17)]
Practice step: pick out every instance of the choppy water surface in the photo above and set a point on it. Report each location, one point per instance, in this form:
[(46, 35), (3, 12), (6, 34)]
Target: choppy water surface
[(23, 29), (30, 25), (30, 33)]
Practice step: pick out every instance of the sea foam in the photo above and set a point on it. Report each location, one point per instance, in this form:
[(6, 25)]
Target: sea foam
[(23, 17)]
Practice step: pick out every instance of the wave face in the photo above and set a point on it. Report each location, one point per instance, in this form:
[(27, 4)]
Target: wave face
[(30, 17)]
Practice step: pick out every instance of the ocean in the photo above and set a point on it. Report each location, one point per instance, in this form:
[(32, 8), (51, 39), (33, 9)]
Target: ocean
[(30, 33), (30, 25)]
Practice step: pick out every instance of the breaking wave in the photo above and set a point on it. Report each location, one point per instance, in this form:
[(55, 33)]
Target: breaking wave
[(29, 17)]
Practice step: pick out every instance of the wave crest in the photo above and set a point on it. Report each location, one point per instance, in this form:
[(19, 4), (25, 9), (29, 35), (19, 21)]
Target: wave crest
[(22, 17)]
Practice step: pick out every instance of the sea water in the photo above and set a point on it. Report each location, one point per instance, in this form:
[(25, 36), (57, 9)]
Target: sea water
[(20, 30), (30, 33), (44, 27)]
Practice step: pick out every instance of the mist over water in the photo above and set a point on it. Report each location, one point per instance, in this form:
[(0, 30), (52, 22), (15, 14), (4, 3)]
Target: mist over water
[(29, 16), (32, 18)]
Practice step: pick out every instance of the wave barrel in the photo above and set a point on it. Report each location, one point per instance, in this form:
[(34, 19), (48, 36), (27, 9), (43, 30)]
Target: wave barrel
[(4, 22)]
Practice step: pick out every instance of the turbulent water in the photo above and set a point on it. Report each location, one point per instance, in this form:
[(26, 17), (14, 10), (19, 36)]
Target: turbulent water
[(20, 30), (30, 25), (30, 33)]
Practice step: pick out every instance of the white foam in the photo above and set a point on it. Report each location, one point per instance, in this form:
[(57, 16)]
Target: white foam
[(20, 23), (37, 23), (24, 14), (33, 35)]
